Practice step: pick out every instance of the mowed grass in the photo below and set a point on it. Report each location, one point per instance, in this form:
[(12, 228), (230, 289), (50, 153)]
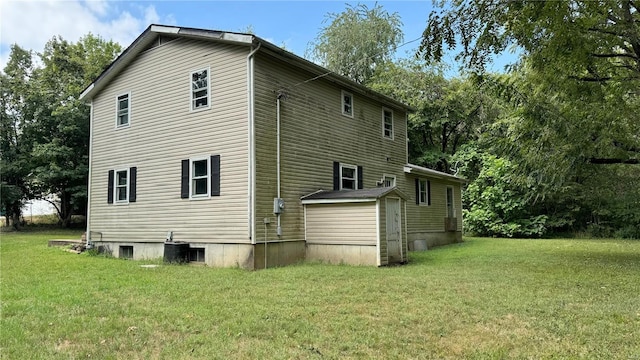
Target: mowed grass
[(483, 299)]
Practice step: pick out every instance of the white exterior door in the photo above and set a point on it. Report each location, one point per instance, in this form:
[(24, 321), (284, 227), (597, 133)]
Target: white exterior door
[(394, 229)]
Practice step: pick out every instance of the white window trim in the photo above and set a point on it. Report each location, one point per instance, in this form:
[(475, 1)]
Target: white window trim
[(128, 124), (115, 186), (383, 123), (355, 175), (422, 185), (385, 176), (191, 108), (342, 95), (192, 196)]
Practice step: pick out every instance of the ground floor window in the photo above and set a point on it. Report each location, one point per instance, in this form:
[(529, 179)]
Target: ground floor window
[(423, 192)]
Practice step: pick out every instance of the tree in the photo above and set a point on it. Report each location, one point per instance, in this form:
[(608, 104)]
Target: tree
[(61, 152), (582, 55), (42, 109), (588, 40), (571, 120), (449, 112), (495, 207), (357, 41), (18, 110)]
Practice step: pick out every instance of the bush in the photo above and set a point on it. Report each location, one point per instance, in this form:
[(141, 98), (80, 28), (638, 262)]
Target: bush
[(628, 232)]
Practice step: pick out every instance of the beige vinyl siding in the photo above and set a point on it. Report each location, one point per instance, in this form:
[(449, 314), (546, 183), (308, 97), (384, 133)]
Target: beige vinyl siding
[(344, 223), (163, 132), (314, 134), (425, 218)]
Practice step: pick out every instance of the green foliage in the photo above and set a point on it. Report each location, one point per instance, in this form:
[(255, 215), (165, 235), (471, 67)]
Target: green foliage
[(19, 106), (45, 128), (584, 39), (576, 89), (494, 206), (357, 41), (449, 112), (571, 103)]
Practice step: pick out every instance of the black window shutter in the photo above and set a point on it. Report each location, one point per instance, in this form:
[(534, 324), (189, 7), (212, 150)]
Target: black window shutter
[(184, 188), (336, 175), (215, 175), (360, 177), (110, 187), (428, 192), (133, 176), (417, 191)]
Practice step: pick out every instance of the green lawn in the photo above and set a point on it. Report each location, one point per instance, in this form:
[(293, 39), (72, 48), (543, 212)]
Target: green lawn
[(484, 298)]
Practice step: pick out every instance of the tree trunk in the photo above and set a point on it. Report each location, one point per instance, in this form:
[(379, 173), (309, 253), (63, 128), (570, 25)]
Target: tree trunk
[(16, 211), (65, 209)]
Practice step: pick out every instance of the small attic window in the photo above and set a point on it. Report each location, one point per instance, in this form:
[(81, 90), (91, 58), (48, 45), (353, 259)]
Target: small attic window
[(200, 90)]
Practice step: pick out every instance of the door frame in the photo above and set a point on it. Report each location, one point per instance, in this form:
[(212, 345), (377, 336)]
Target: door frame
[(400, 235)]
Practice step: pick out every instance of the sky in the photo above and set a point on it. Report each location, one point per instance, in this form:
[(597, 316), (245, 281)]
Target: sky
[(292, 24)]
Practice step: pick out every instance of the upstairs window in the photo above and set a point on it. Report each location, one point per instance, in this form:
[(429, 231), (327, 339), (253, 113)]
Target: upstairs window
[(348, 177), (347, 104), (387, 123), (123, 110), (200, 90)]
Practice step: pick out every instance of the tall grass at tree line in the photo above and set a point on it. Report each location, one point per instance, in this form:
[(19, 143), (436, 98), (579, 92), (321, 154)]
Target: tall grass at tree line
[(484, 298)]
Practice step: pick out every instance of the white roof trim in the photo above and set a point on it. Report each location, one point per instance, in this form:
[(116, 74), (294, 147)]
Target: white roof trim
[(419, 170), (165, 29), (86, 91), (337, 201), (240, 38)]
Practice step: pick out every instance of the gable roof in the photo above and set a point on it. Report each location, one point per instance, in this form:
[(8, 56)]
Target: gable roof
[(154, 31), (361, 195)]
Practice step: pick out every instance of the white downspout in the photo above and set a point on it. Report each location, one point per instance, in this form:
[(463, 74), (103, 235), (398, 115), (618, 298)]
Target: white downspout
[(88, 233), (252, 151)]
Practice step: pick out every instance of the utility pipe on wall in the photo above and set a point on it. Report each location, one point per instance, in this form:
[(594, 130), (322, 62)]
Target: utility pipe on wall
[(280, 95), (252, 151)]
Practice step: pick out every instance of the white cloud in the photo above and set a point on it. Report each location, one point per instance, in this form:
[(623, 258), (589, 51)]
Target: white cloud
[(30, 24), (99, 7)]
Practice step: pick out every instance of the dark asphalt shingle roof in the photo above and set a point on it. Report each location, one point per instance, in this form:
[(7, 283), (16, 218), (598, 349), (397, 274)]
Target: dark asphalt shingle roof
[(372, 193)]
